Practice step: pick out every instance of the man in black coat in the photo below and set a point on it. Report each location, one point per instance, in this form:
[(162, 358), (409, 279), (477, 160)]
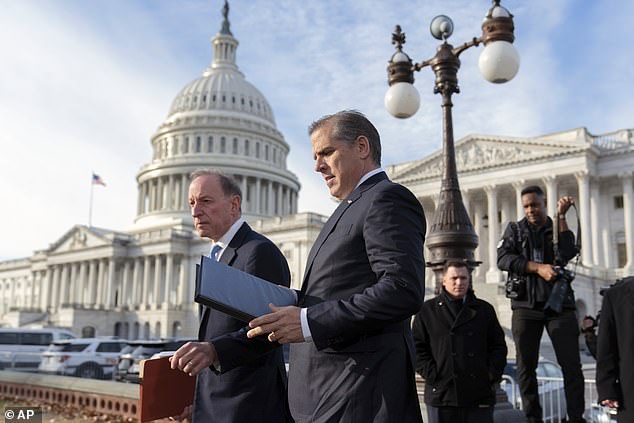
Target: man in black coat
[(526, 251), (615, 352), (460, 351), (240, 380), (352, 351)]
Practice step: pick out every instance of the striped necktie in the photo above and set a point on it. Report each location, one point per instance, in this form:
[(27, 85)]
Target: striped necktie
[(215, 252)]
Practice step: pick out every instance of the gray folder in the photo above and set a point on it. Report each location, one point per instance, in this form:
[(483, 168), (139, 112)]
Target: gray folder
[(237, 293)]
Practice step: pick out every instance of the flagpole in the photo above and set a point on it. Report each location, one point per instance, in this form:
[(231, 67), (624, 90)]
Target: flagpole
[(92, 186)]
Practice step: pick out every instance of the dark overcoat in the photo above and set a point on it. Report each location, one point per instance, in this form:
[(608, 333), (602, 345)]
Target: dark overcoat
[(461, 356), (251, 386), (615, 348), (364, 280)]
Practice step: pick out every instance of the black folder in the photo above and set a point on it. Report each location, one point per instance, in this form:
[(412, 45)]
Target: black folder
[(237, 293)]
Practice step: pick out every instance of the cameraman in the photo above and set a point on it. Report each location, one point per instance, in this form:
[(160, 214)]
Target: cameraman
[(526, 252)]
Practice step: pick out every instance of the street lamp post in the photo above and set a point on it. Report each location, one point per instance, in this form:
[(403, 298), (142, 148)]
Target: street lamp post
[(451, 235)]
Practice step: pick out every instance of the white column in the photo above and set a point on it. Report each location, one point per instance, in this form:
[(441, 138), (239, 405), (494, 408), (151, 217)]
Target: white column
[(493, 274), (72, 291), (279, 199), (124, 298), (519, 207), (158, 273), (110, 286), (136, 283), (551, 194), (63, 296), (170, 192), (258, 206), (628, 221), (82, 283), (169, 272), (294, 202), (99, 300), (92, 281), (183, 283), (45, 289), (269, 198), (243, 188), (477, 227), (55, 290), (595, 213), (606, 232), (145, 295), (160, 198), (584, 215)]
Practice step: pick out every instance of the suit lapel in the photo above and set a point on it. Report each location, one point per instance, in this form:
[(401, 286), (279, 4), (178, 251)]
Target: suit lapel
[(334, 218), (227, 258)]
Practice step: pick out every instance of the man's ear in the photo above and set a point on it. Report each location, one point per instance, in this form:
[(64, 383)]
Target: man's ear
[(236, 201), (363, 146)]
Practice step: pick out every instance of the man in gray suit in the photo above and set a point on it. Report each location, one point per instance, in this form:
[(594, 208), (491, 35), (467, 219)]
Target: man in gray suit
[(239, 379), (352, 351)]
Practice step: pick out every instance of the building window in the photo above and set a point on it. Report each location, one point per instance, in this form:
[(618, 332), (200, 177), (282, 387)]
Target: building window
[(186, 145), (223, 145), (266, 152), (247, 150), (621, 252), (197, 144), (210, 145), (618, 201), (257, 150), (235, 146)]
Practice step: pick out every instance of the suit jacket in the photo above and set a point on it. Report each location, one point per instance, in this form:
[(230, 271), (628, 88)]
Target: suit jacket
[(251, 386), (460, 355), (364, 280), (615, 348)]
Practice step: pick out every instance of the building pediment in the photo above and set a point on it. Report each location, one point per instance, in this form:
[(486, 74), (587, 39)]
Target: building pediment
[(476, 153), (80, 237)]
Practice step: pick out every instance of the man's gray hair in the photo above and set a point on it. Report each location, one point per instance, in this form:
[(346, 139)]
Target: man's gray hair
[(348, 125), (228, 185)]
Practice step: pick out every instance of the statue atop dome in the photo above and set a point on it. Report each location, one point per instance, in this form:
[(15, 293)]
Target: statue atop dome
[(225, 22)]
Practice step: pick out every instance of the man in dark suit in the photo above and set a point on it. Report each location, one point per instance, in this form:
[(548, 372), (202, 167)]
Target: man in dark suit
[(239, 379), (351, 358), (460, 351), (615, 350)]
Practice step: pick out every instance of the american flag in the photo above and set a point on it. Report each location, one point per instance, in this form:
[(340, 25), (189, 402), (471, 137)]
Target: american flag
[(96, 180)]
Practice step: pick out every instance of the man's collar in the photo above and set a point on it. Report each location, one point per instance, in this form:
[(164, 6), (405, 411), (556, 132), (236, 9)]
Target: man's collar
[(369, 175), (228, 236)]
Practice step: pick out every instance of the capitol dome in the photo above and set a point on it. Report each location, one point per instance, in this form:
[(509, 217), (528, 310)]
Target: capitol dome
[(221, 121)]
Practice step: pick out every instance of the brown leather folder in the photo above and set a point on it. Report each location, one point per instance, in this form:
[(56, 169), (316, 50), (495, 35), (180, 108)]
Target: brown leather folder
[(164, 392)]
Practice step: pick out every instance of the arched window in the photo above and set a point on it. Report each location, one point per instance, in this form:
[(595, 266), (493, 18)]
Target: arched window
[(235, 146), (146, 330), (157, 330), (88, 332), (176, 329), (223, 145), (210, 145), (247, 149), (135, 330)]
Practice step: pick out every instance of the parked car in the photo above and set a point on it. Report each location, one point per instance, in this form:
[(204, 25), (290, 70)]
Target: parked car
[(549, 385), (93, 358), (128, 364), (21, 349)]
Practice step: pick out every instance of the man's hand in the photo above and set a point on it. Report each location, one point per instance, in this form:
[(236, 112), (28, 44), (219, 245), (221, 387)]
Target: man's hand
[(564, 204), (193, 357), (185, 416), (545, 271), (283, 325), (587, 324), (610, 403)]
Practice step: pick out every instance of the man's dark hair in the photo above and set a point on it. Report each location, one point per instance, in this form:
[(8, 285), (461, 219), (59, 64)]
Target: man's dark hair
[(348, 125), (454, 263), (532, 189), (228, 185)]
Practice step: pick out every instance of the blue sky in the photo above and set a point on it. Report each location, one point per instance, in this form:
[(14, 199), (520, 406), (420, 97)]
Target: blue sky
[(84, 84)]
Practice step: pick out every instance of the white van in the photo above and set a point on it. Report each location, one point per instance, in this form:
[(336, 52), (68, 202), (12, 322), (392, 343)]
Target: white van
[(21, 349)]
